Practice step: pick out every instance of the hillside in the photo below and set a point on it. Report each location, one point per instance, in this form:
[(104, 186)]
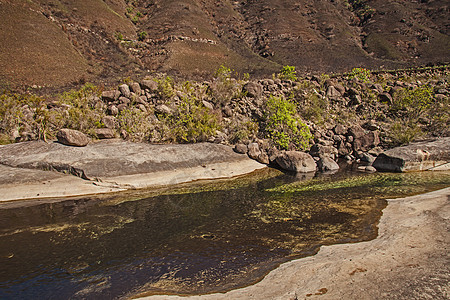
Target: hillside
[(61, 43)]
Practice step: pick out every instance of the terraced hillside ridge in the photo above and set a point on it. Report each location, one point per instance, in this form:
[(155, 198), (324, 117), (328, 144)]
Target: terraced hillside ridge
[(61, 43)]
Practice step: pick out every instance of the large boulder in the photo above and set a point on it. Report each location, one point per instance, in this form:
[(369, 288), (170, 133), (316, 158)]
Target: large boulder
[(253, 150), (332, 92), (105, 133), (296, 161), (110, 96), (253, 89), (366, 141), (135, 88), (240, 148), (318, 150), (356, 131), (125, 90), (72, 137), (326, 164), (429, 155), (149, 85)]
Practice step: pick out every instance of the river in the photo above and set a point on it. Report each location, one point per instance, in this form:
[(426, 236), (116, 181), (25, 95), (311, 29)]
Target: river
[(196, 238)]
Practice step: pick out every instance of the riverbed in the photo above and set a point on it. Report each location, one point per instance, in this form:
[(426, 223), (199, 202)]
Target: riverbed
[(190, 239)]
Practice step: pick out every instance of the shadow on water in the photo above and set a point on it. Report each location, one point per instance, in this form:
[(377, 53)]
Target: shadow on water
[(198, 238)]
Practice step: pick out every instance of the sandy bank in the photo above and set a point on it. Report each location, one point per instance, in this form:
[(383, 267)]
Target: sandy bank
[(408, 260), (42, 170)]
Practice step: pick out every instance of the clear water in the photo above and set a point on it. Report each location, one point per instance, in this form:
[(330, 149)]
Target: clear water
[(190, 239)]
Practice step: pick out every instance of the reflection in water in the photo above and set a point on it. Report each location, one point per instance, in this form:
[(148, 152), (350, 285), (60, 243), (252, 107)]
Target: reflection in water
[(196, 239)]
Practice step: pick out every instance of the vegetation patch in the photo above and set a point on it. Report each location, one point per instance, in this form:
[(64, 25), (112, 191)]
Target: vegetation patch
[(376, 181), (284, 127), (192, 122)]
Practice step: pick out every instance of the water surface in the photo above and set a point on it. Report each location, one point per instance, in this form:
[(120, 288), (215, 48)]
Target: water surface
[(190, 239)]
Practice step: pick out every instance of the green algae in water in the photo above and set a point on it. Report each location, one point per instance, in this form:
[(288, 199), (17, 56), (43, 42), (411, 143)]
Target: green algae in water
[(404, 183)]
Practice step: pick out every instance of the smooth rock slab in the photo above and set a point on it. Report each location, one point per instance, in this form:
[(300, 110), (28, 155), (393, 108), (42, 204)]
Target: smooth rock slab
[(120, 164), (420, 156)]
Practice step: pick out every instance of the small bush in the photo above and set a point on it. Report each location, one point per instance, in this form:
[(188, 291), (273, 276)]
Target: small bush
[(119, 36), (288, 73), (241, 131), (142, 35), (284, 127), (82, 113), (135, 123), (360, 73), (314, 108), (402, 133), (192, 122), (10, 116), (25, 113), (414, 102), (224, 87), (166, 87)]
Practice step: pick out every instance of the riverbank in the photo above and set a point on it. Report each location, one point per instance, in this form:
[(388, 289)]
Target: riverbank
[(36, 170), (408, 260)]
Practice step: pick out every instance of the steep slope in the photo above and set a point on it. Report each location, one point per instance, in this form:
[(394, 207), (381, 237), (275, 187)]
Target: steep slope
[(58, 43), (33, 50), (61, 42)]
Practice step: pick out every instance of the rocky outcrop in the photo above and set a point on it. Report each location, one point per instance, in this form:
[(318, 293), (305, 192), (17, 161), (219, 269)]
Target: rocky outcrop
[(429, 155), (72, 137), (296, 161), (42, 169)]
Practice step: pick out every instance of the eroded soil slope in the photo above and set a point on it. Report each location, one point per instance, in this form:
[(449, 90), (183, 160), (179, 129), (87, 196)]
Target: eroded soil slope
[(61, 43)]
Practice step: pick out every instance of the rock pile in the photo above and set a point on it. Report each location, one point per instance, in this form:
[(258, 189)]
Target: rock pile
[(349, 118)]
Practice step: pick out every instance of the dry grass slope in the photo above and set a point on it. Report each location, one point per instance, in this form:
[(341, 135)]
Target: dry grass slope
[(61, 43)]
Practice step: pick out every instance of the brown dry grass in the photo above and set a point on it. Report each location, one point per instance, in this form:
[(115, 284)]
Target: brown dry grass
[(33, 50)]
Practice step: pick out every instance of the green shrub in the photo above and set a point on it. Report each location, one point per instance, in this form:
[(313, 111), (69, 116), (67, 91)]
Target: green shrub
[(135, 123), (192, 122), (224, 87), (402, 133), (412, 102), (119, 36), (288, 73), (241, 131), (284, 127), (360, 73), (82, 113), (10, 116), (166, 87), (314, 108), (39, 122), (142, 35)]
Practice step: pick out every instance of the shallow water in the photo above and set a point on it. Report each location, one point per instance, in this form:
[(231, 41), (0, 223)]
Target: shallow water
[(195, 238)]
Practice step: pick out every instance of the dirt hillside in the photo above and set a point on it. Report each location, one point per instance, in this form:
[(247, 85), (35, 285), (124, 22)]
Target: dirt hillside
[(61, 43)]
